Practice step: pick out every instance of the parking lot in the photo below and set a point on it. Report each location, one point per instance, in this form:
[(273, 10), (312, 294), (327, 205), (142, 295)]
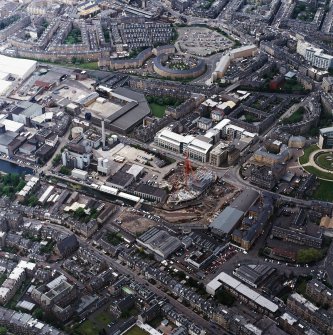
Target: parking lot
[(201, 41)]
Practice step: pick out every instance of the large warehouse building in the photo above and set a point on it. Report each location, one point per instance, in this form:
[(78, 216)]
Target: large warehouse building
[(12, 69), (230, 217), (16, 67)]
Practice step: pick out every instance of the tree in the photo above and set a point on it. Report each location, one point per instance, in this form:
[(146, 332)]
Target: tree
[(80, 213), (65, 170), (3, 331), (308, 255), (56, 160), (225, 298), (38, 314), (32, 201)]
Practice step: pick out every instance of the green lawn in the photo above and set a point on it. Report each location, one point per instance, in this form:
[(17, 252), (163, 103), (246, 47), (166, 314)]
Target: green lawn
[(324, 191), (297, 116), (96, 323), (136, 331), (74, 37), (325, 160), (307, 151), (103, 318), (318, 173), (88, 328), (88, 66), (157, 110)]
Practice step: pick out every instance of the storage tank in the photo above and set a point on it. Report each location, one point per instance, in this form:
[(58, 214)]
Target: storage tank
[(114, 138), (76, 132)]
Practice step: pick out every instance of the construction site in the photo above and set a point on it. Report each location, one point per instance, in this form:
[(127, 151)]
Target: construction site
[(195, 195)]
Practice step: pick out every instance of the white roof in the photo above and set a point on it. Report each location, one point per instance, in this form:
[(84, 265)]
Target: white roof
[(222, 124), (3, 75), (26, 305), (211, 133), (55, 282), (27, 265), (135, 170), (79, 172), (177, 139), (11, 125), (43, 117), (242, 289), (210, 102), (200, 146), (248, 134), (5, 86), (223, 63), (16, 66), (234, 127), (232, 282)]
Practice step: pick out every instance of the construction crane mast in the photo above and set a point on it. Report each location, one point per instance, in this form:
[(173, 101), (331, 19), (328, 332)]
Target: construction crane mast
[(187, 169)]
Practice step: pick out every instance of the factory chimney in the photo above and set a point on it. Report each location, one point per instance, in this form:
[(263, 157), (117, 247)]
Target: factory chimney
[(103, 134)]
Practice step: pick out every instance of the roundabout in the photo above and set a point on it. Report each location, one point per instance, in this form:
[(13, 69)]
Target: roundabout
[(319, 163), (324, 160)]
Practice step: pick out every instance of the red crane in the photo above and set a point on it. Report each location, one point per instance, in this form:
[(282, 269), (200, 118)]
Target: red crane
[(187, 168)]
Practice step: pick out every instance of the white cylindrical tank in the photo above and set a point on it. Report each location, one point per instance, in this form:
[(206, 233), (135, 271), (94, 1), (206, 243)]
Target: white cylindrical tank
[(76, 132), (105, 162)]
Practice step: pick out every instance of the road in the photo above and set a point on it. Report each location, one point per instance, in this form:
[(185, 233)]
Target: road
[(211, 328)]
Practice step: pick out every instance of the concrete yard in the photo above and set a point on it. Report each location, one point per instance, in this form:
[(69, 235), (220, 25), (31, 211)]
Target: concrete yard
[(201, 41)]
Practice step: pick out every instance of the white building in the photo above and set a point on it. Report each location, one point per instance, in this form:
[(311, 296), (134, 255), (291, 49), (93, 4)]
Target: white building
[(315, 56), (17, 67), (79, 174), (198, 150), (169, 140)]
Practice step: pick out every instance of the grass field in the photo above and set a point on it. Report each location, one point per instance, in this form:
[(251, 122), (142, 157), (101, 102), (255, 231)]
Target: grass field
[(103, 318), (95, 324), (88, 66), (324, 191), (307, 152), (157, 110), (325, 161), (318, 173), (88, 328), (136, 331)]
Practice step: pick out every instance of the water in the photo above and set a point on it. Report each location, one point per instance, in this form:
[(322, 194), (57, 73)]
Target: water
[(8, 167)]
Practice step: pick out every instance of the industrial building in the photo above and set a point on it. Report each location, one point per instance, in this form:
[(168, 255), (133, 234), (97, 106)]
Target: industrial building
[(135, 109), (228, 219), (18, 68), (160, 242), (151, 193)]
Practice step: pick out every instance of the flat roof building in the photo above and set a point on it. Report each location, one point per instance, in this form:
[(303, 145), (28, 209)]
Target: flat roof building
[(326, 138), (160, 242), (254, 299)]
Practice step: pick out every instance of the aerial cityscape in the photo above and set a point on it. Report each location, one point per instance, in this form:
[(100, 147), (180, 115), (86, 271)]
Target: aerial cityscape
[(166, 167)]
